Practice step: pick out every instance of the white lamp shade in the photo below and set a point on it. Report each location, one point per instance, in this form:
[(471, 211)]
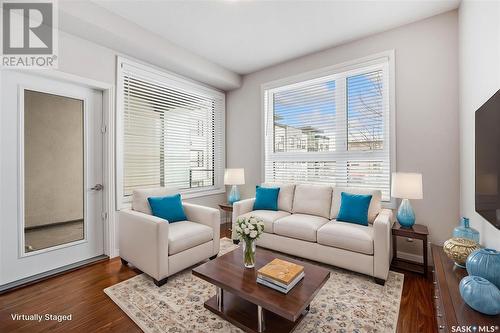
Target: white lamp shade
[(234, 177), (406, 185)]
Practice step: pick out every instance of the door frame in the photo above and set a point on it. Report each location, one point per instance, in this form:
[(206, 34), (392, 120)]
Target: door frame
[(110, 245)]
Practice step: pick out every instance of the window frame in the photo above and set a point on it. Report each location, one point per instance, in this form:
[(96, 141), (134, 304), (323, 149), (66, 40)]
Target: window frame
[(180, 83), (383, 60)]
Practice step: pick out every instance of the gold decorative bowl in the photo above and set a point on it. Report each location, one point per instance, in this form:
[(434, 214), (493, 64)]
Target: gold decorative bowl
[(458, 249)]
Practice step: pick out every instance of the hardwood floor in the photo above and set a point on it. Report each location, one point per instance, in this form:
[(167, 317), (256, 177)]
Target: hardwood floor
[(416, 313), (80, 294)]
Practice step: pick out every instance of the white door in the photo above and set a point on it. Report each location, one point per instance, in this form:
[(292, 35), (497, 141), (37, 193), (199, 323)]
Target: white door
[(51, 173)]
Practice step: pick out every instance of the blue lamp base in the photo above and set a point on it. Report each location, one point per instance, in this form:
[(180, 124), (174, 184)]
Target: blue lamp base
[(234, 195), (406, 215)]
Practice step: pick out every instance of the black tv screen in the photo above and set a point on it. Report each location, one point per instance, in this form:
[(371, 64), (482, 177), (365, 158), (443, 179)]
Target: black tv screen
[(488, 160)]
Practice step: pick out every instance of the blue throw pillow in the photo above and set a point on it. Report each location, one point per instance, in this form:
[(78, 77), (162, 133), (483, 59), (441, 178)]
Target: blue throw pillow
[(168, 208), (266, 198), (354, 208)]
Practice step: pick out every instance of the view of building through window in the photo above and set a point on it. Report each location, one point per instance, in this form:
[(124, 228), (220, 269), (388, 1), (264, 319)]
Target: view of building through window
[(331, 130), (304, 118), (365, 112)]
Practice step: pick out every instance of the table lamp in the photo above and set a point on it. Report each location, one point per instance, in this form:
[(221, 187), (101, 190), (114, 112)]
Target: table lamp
[(234, 177), (406, 186)]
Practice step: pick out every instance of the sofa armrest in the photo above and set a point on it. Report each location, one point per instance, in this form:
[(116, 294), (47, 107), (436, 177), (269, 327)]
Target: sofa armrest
[(143, 241), (207, 216), (382, 243), (239, 208)]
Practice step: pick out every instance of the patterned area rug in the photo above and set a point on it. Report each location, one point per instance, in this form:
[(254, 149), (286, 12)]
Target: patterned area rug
[(348, 302)]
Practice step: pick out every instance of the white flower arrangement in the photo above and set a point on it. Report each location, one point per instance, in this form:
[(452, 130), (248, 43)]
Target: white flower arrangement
[(249, 228)]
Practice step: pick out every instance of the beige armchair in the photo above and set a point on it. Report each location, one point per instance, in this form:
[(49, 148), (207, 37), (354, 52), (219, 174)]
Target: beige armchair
[(161, 249)]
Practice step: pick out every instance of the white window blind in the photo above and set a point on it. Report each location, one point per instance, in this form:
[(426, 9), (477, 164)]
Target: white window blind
[(172, 132), (331, 129)]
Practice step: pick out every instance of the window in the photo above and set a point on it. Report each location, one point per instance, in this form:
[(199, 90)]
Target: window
[(331, 127), (172, 132)]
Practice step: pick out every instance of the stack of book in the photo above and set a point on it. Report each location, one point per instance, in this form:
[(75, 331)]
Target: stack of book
[(280, 275)]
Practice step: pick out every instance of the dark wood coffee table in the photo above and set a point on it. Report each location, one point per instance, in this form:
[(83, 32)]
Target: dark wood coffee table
[(253, 307)]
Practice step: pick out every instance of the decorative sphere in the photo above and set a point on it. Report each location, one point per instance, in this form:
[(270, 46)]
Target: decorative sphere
[(486, 264), (480, 294), (458, 249)]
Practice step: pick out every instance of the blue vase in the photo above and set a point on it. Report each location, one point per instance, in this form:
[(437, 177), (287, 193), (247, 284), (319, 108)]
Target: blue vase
[(486, 264), (465, 231), (406, 216), (234, 195), (480, 294)]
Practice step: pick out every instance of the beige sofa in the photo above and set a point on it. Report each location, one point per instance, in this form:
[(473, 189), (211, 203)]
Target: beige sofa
[(305, 225), (160, 249)]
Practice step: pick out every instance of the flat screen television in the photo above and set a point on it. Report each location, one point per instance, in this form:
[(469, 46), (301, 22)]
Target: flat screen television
[(488, 160)]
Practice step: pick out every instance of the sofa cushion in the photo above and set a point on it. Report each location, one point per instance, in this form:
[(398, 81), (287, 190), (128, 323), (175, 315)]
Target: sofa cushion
[(300, 226), (375, 203), (354, 208), (285, 197), (140, 198), (168, 207), (266, 198), (313, 200), (185, 235), (267, 216), (347, 236)]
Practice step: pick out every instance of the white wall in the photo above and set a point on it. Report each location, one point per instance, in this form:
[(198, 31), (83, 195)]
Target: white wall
[(479, 31), (426, 113)]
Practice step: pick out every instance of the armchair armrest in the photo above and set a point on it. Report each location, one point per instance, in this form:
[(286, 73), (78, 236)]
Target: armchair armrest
[(239, 208), (382, 243), (143, 241), (207, 216)]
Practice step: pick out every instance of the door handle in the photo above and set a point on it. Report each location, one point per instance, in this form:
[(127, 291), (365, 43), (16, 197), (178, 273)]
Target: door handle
[(97, 187)]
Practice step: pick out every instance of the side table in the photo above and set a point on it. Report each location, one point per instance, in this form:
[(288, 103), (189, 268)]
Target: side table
[(417, 231), (227, 208)]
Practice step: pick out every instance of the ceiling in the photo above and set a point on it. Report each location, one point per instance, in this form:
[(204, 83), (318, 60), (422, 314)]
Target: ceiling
[(246, 36)]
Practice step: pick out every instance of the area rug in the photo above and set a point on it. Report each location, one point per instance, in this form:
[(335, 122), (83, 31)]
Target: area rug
[(348, 302)]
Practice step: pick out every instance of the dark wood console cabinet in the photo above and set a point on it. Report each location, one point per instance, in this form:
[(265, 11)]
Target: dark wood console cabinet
[(450, 309)]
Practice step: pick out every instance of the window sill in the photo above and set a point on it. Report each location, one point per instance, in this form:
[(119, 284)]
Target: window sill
[(203, 193), (127, 203)]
